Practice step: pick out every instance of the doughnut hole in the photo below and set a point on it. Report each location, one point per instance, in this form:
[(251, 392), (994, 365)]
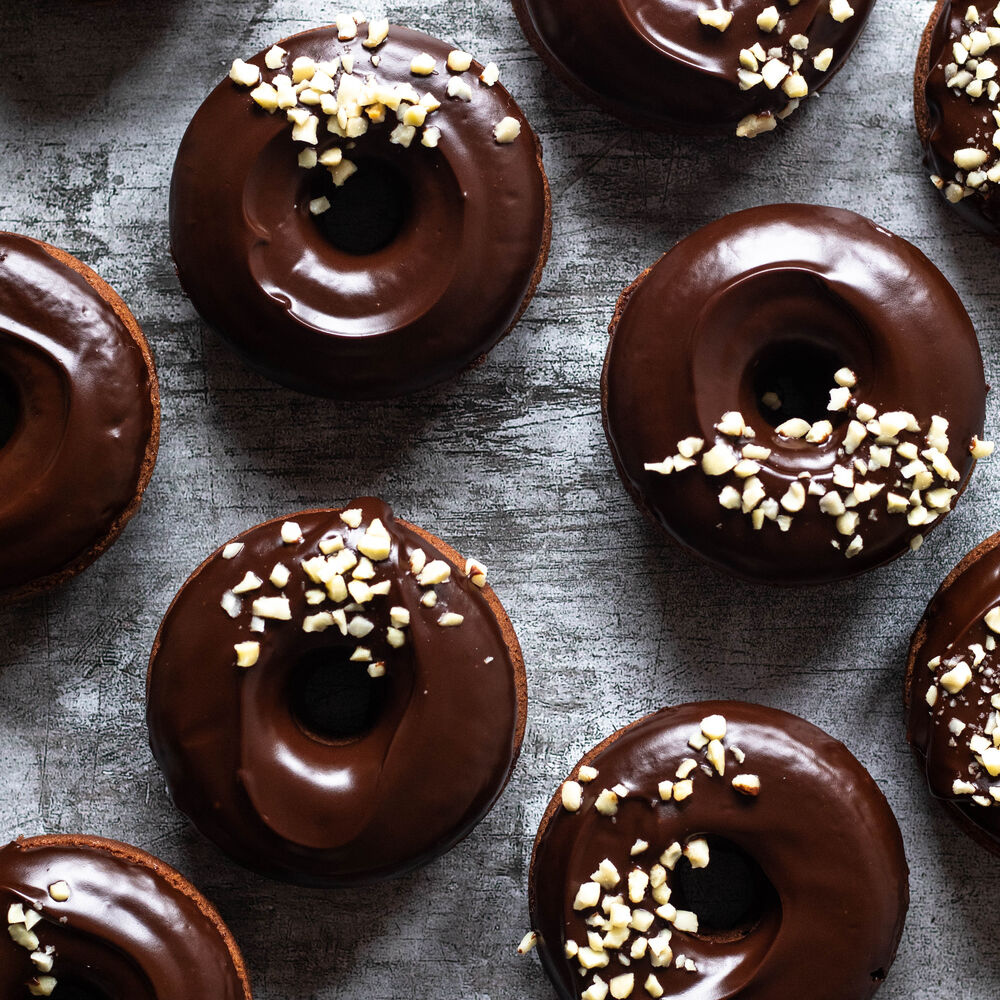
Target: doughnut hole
[(334, 699), (793, 379), (74, 988), (10, 409), (731, 896), (369, 211)]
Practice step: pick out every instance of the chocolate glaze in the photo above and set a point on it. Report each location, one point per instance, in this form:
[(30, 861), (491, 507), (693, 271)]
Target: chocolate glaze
[(947, 121), (296, 807), (954, 620), (132, 928), (258, 268), (820, 830), (652, 62), (87, 417), (687, 341)]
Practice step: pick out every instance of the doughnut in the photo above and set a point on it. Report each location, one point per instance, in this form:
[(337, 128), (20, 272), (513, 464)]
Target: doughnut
[(718, 849), (360, 234), (336, 697), (956, 102), (794, 394), (734, 66), (90, 917), (952, 694), (79, 416)]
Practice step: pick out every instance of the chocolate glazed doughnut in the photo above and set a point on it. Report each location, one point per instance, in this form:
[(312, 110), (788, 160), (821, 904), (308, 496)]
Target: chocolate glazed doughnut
[(956, 102), (735, 66), (952, 694), (79, 416), (431, 249), (794, 394), (91, 917), (336, 698), (722, 849)]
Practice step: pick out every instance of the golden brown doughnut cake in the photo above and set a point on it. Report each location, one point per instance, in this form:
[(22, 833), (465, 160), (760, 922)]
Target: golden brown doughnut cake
[(718, 850), (336, 697), (360, 211), (91, 917), (79, 416), (952, 694)]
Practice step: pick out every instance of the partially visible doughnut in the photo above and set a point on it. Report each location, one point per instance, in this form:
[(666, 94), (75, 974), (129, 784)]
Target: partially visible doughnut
[(92, 917), (79, 415), (739, 66)]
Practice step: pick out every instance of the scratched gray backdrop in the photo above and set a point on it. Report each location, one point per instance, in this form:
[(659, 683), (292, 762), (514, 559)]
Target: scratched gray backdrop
[(508, 462)]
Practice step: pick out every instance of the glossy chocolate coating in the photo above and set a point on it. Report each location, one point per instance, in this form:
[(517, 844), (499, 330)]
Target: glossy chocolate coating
[(85, 405), (297, 807), (653, 63), (954, 620), (946, 121), (688, 340), (258, 267), (127, 929), (820, 830)]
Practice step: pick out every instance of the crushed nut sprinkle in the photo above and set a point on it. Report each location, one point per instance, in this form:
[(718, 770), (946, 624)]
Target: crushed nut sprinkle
[(971, 75), (775, 60), (21, 923), (626, 907), (965, 678), (346, 101), (341, 578), (920, 477)]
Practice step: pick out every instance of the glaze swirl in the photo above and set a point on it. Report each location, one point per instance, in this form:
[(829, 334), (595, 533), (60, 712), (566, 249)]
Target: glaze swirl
[(79, 389), (817, 825), (444, 684), (455, 278), (845, 354)]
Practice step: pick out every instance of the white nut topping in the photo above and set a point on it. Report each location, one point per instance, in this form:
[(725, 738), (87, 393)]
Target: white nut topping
[(490, 74), (718, 460), (435, 572), (823, 60), (747, 784), (59, 891), (969, 159), (450, 620), (572, 796), (768, 19), (588, 895), (244, 73), (506, 130), (232, 550), (459, 61), (796, 427), (754, 125), (247, 654), (841, 10), (715, 18), (955, 679), (275, 57), (276, 608), (528, 942), (291, 533), (714, 727), (378, 32), (347, 27), (423, 64), (352, 517), (697, 853)]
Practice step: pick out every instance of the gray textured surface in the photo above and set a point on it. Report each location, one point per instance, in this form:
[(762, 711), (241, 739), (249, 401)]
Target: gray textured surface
[(508, 463)]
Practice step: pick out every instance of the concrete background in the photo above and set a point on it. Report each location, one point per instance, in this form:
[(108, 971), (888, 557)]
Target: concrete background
[(508, 463)]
